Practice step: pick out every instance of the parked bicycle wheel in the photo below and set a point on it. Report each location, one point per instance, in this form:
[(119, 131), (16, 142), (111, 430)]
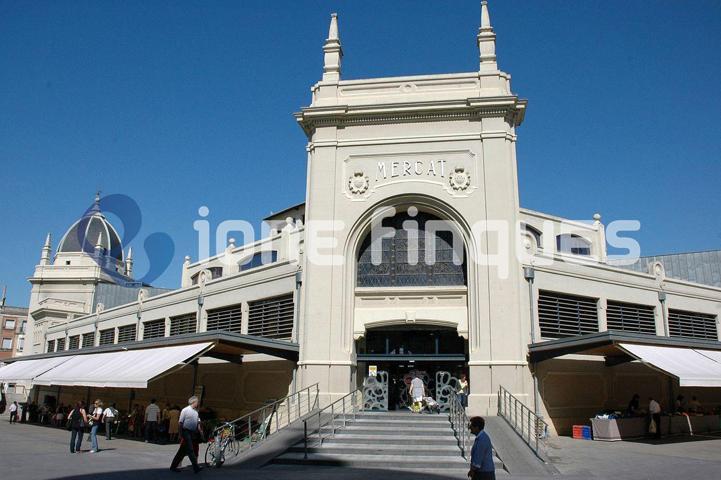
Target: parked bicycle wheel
[(214, 454)]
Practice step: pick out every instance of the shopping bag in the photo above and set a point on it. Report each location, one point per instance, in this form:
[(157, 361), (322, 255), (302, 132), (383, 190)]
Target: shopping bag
[(652, 426)]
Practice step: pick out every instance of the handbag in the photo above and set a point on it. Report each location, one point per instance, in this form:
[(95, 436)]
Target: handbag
[(652, 426)]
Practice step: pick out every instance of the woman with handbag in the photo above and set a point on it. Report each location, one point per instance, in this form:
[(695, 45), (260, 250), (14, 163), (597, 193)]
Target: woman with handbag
[(95, 418), (76, 423)]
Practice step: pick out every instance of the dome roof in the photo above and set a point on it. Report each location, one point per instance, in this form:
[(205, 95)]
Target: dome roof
[(84, 234)]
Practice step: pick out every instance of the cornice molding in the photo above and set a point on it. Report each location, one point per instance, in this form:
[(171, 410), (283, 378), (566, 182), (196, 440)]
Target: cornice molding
[(511, 108)]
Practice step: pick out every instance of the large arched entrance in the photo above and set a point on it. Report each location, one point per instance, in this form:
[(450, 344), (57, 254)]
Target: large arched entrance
[(411, 300)]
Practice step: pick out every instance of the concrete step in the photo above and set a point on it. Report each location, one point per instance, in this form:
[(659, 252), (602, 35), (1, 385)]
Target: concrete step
[(399, 424), (380, 449), (410, 432), (399, 439), (405, 416), (397, 462)]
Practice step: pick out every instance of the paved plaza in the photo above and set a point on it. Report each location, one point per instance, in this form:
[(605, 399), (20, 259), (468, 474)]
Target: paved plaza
[(34, 452)]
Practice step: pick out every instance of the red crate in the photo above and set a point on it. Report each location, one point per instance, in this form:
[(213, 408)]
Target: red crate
[(582, 432)]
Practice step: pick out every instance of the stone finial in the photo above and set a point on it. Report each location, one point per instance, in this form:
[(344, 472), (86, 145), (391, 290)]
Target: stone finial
[(129, 263), (596, 218), (46, 251), (332, 52), (231, 243), (99, 244), (486, 41)]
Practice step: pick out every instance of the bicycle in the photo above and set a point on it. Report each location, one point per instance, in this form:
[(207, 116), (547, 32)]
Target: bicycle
[(222, 443)]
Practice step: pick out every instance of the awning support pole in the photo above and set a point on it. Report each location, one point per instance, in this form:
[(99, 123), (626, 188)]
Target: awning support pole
[(529, 273)]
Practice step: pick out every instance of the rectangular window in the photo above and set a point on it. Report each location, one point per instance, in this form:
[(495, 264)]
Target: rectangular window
[(60, 342), (271, 317), (51, 346), (227, 319), (154, 329), (630, 317), (692, 324), (23, 326), (7, 344), (183, 324), (10, 324), (127, 333), (107, 337), (21, 344), (74, 342), (89, 340), (562, 315)]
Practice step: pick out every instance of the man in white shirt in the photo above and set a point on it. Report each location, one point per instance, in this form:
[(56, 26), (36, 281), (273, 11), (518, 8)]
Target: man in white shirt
[(654, 409), (152, 415), (13, 412), (109, 415), (189, 423)]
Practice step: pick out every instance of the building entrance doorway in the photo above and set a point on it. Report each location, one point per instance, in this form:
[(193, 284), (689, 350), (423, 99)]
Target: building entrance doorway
[(393, 356)]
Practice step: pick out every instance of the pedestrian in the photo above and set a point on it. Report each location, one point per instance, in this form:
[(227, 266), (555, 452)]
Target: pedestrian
[(173, 418), (463, 390), (654, 424), (152, 414), (95, 419), (77, 420), (13, 412), (416, 391), (190, 429), (109, 416), (482, 466), (24, 413)]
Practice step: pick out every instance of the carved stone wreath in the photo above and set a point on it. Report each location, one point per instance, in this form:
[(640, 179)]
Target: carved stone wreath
[(358, 183), (459, 179)]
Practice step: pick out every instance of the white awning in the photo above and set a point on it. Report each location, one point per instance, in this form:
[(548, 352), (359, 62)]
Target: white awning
[(23, 371), (692, 367), (126, 368)]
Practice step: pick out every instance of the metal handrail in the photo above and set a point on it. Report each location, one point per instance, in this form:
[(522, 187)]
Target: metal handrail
[(254, 427), (459, 423), (529, 426), (354, 402)]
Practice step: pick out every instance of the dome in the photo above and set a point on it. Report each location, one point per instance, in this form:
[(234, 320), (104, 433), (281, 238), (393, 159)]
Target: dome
[(83, 235)]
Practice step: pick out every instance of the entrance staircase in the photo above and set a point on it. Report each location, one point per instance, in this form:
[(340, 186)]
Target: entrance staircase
[(386, 440)]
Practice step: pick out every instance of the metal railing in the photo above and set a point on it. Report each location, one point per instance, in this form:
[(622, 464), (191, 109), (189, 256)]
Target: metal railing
[(459, 424), (254, 427), (522, 419), (343, 408)]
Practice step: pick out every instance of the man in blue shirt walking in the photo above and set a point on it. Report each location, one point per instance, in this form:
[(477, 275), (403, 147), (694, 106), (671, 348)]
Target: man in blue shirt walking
[(482, 467)]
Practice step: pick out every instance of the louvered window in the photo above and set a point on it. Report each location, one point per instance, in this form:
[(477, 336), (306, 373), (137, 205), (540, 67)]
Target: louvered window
[(88, 340), (630, 317), (562, 315), (228, 319), (127, 333), (692, 325), (61, 344), (183, 324), (74, 342), (107, 337), (51, 346), (271, 317), (154, 329)]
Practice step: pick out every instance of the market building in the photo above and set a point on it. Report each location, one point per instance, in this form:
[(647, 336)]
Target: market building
[(460, 279)]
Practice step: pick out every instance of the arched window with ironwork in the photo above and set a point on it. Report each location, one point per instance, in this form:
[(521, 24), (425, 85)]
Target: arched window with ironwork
[(412, 251)]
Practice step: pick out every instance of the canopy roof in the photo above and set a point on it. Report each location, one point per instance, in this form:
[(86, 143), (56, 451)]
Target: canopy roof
[(134, 364), (695, 363)]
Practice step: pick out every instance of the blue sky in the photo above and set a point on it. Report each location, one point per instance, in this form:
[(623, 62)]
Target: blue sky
[(180, 104)]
